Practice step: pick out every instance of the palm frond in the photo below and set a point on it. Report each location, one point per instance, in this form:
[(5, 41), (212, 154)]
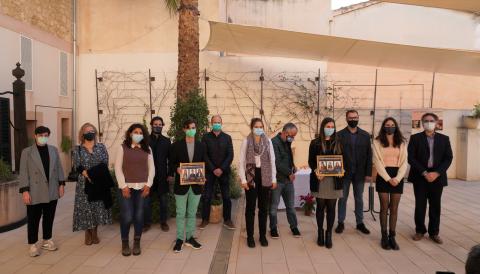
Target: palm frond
[(172, 6)]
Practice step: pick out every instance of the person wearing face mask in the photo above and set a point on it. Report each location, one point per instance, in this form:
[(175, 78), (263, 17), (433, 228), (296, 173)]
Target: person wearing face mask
[(218, 160), (429, 155), (42, 183), (160, 146), (135, 170), (187, 197), (357, 152), (390, 161), (258, 175), (326, 190), (282, 146), (89, 157)]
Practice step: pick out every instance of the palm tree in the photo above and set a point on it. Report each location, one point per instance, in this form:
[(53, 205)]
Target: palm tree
[(188, 45)]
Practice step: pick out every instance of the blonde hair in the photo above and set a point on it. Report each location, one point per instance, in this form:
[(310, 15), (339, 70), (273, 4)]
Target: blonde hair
[(82, 128)]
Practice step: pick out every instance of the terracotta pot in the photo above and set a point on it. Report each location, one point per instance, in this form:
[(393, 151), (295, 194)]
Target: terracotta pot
[(216, 214), (470, 122)]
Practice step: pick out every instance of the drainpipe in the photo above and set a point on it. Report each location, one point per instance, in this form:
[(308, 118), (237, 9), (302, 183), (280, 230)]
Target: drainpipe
[(74, 88)]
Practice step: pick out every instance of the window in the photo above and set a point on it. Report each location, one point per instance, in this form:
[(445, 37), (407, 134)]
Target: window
[(26, 61), (63, 74)]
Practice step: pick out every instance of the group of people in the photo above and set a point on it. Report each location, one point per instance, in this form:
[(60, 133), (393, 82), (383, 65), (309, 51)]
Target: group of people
[(147, 163)]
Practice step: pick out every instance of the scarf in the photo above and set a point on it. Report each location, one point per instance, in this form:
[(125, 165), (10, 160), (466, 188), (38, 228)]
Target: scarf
[(261, 149)]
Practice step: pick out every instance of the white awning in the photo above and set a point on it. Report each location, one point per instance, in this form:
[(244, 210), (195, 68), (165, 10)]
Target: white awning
[(261, 41), (462, 5)]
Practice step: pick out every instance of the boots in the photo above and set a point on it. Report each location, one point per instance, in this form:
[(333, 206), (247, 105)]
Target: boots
[(321, 237), (392, 241), (126, 248), (88, 237), (385, 241), (328, 239), (136, 246), (95, 239)]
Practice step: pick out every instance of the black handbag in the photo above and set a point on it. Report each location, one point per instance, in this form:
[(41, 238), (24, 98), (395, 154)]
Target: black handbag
[(73, 175)]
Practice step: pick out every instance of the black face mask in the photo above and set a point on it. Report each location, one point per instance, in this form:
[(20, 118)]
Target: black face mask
[(352, 123), (157, 130), (89, 136), (390, 130)]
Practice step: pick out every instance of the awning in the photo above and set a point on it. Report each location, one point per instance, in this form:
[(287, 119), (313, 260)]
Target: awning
[(240, 39), (463, 5)]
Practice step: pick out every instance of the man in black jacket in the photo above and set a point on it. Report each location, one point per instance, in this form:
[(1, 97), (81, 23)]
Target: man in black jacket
[(357, 156), (219, 157), (160, 146), (429, 155)]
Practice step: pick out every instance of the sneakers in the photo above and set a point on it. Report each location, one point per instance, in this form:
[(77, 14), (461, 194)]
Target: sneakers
[(340, 228), (193, 243), (263, 241), (274, 234), (49, 245), (178, 246), (229, 225), (296, 233), (203, 225), (164, 227), (362, 228), (34, 251)]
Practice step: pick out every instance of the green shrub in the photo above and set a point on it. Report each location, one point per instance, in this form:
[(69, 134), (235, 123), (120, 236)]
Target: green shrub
[(235, 189), (66, 144), (5, 172)]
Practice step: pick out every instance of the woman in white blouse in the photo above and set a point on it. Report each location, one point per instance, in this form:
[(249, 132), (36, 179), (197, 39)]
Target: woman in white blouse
[(134, 170), (390, 160), (258, 176)]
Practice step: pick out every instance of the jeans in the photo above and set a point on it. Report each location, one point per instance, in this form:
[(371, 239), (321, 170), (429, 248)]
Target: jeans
[(209, 191), (187, 206), (287, 192), (34, 213), (358, 196), (263, 195), (163, 207), (431, 193), (131, 211)]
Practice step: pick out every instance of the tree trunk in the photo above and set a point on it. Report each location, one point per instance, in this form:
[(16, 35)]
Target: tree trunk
[(188, 48)]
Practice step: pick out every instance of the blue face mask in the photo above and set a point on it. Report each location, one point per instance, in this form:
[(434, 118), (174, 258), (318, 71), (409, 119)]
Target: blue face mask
[(137, 138), (328, 131), (258, 131), (217, 127)]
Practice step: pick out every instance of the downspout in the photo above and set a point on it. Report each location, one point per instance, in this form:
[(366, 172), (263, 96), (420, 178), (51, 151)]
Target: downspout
[(74, 88)]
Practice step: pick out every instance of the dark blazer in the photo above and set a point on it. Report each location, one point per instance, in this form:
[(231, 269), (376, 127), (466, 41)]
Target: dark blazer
[(363, 154), (99, 187), (314, 150), (161, 152), (419, 152), (219, 152), (179, 154)]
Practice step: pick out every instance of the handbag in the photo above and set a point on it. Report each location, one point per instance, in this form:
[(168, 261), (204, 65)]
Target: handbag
[(73, 175)]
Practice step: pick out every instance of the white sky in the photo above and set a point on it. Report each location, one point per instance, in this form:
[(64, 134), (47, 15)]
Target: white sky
[(342, 3)]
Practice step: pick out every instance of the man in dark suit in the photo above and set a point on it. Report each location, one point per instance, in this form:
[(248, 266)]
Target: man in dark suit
[(357, 155), (219, 157), (187, 197), (429, 156), (160, 146)]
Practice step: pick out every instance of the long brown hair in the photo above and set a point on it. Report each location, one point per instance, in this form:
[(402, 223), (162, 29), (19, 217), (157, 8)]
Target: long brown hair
[(144, 144), (321, 140), (398, 138)]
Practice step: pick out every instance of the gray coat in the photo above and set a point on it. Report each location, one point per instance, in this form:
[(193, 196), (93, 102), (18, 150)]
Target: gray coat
[(32, 175)]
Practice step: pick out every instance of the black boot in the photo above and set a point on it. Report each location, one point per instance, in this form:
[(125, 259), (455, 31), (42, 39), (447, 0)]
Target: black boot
[(321, 237), (328, 239), (126, 248), (385, 242), (392, 241), (136, 246)]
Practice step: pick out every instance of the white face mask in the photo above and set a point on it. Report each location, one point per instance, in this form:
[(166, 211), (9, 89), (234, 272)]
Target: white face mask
[(429, 126)]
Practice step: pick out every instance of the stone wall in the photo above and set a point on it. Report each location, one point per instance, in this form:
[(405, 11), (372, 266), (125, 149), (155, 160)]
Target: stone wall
[(53, 16)]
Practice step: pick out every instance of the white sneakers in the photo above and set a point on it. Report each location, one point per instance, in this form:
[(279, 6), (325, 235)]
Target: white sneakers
[(47, 245)]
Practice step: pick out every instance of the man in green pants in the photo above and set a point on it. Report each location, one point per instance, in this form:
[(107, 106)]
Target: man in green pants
[(187, 197)]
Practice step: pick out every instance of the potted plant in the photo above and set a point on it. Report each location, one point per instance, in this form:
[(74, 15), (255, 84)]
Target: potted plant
[(308, 204), (216, 210), (66, 144), (471, 121), (13, 210)]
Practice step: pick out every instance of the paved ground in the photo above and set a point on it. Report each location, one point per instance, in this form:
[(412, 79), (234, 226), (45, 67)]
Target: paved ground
[(352, 252)]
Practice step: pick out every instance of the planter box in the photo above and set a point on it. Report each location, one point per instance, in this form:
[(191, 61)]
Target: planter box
[(470, 122), (216, 214), (13, 213)]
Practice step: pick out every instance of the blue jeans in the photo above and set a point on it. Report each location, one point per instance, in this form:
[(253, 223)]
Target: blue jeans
[(131, 211), (163, 207), (209, 191), (358, 196), (287, 192)]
